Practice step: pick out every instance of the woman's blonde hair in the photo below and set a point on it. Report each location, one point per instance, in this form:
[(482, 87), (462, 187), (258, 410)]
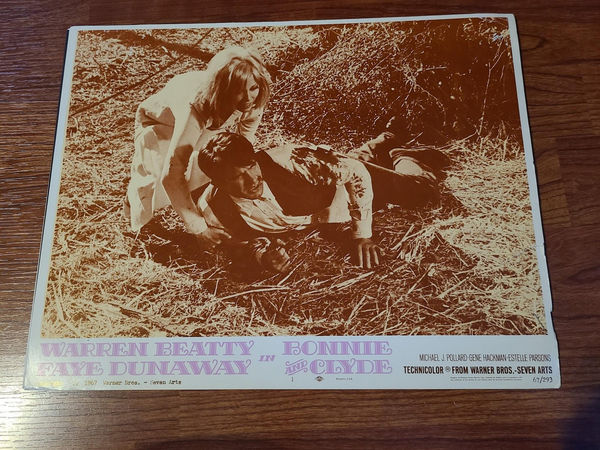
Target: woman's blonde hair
[(228, 72)]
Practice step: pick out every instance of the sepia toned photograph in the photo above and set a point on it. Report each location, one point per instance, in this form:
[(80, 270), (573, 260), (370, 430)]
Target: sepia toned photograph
[(344, 179)]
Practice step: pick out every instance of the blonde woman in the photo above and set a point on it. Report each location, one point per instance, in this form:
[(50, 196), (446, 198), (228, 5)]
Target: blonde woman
[(173, 124)]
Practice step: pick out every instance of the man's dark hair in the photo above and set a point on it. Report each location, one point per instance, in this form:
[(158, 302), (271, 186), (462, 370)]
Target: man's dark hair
[(224, 150)]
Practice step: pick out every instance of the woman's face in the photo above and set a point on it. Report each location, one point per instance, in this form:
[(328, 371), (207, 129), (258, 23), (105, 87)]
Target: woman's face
[(244, 100)]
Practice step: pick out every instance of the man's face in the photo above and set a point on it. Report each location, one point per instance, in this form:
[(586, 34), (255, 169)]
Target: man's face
[(243, 182)]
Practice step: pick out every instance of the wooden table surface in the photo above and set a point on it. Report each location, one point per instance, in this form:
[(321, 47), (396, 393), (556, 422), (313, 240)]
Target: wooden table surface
[(561, 56)]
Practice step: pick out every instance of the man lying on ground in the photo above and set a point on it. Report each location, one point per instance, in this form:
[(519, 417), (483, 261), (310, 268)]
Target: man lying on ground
[(257, 196)]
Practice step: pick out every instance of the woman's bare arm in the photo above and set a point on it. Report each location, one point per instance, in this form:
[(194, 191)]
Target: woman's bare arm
[(175, 184)]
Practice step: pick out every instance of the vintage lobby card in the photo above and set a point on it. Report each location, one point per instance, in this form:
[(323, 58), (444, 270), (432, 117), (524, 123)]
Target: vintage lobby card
[(328, 205)]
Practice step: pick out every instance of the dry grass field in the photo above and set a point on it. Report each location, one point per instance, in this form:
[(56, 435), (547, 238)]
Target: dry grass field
[(468, 267)]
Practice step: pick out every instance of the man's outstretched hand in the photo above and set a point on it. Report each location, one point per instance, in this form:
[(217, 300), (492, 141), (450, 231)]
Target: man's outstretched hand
[(211, 237), (276, 257), (367, 254)]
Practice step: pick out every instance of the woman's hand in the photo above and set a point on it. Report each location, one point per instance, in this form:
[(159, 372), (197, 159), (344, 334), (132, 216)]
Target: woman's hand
[(211, 237)]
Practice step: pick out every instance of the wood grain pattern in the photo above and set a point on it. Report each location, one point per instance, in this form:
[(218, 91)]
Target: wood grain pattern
[(560, 57)]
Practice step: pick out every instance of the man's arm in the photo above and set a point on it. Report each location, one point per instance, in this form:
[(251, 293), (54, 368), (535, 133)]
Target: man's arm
[(358, 184), (323, 166), (357, 181), (326, 168)]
